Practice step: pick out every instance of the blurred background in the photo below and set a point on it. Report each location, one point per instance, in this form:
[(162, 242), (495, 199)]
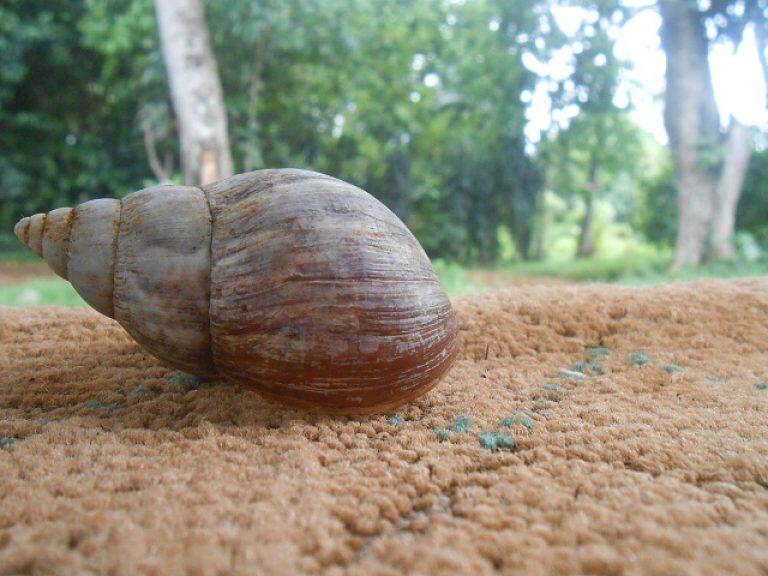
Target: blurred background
[(620, 141)]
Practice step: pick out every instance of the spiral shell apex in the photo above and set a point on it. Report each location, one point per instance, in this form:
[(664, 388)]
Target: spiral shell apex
[(295, 284)]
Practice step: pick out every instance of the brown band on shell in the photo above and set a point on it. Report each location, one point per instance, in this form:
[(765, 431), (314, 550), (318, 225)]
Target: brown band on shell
[(70, 223), (25, 232), (58, 226), (72, 220), (73, 217), (35, 233), (42, 233)]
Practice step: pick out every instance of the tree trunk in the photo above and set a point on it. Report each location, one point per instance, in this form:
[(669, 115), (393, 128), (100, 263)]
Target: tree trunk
[(522, 218), (692, 123), (738, 149), (586, 247), (694, 208), (541, 225), (195, 90)]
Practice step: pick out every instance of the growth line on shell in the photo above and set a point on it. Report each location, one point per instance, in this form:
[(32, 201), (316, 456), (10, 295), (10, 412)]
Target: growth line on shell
[(115, 238), (210, 275)]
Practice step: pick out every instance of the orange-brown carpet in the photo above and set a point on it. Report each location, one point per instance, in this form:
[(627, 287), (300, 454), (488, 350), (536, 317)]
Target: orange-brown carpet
[(639, 418)]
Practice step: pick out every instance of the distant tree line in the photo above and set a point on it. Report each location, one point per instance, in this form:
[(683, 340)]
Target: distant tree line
[(422, 103)]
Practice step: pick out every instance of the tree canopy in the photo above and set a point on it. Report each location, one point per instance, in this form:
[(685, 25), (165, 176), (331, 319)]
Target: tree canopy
[(422, 103)]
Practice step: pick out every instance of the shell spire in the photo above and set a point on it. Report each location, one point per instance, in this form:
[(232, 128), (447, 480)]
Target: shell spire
[(78, 244), (143, 261), (47, 235)]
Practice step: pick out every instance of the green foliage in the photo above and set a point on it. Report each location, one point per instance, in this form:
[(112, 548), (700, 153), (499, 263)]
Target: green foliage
[(752, 215), (455, 278), (416, 102), (11, 250), (586, 158), (656, 217), (69, 97), (421, 103)]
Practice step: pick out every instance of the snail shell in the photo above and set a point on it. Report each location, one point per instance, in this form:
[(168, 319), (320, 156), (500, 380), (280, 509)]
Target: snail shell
[(295, 284)]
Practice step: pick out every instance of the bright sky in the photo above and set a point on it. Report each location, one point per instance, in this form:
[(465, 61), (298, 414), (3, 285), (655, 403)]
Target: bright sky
[(737, 78)]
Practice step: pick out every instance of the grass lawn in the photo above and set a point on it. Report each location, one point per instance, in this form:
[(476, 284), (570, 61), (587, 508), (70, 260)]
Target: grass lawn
[(460, 280), (40, 292)]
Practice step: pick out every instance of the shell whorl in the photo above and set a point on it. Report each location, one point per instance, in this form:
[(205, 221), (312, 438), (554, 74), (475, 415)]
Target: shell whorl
[(163, 275)]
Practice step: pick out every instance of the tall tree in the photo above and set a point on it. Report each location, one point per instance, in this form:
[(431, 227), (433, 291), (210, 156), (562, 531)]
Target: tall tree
[(196, 91), (600, 133), (490, 183), (737, 152), (709, 164), (584, 158), (693, 125)]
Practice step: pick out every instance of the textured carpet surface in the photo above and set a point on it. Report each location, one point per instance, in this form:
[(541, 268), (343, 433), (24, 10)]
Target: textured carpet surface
[(647, 455)]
